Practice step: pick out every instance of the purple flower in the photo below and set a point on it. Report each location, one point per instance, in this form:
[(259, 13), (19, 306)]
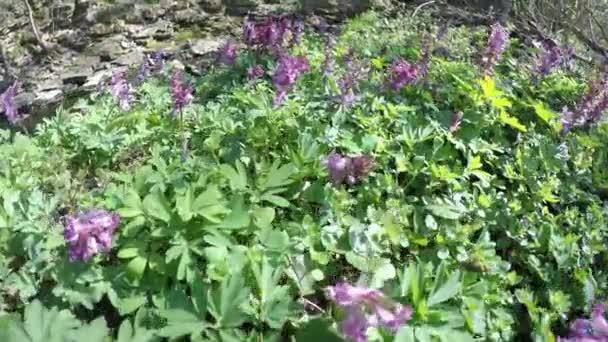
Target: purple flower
[(157, 62), (287, 72), (348, 169), (497, 42), (89, 233), (402, 73), (552, 57), (255, 72), (181, 93), (297, 28), (590, 108), (7, 102), (594, 329), (347, 83), (151, 65), (271, 32), (143, 71), (365, 307), (121, 90), (228, 53)]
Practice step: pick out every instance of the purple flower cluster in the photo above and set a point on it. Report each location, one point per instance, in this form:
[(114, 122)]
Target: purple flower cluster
[(89, 233), (255, 72), (403, 73), (552, 56), (285, 75), (348, 169), (8, 104), (151, 65), (364, 308), (497, 42), (590, 108), (347, 83), (121, 90), (589, 330), (228, 53), (181, 93), (272, 32)]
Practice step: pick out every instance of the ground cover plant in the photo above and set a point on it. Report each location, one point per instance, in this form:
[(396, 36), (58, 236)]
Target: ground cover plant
[(392, 181)]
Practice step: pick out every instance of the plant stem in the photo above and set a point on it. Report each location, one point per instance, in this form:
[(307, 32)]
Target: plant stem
[(183, 135), (39, 38)]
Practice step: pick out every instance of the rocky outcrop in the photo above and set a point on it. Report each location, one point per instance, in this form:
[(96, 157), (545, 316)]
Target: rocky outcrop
[(92, 38)]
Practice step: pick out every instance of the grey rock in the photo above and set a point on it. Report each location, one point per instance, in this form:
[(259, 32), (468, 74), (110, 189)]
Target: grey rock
[(240, 7), (48, 96), (108, 49), (203, 47), (24, 100), (212, 6), (190, 16), (96, 79), (337, 7), (101, 29), (131, 58), (76, 75), (161, 28), (60, 16)]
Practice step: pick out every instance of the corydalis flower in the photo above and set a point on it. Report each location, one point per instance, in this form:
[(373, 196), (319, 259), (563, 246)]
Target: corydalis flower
[(181, 93), (402, 73), (590, 108), (287, 72), (347, 83), (272, 32), (366, 308), (89, 233), (552, 56), (348, 169), (228, 53), (588, 330), (255, 72), (121, 90), (151, 65), (497, 42), (8, 104)]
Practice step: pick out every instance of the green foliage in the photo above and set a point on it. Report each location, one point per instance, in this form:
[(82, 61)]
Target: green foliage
[(492, 232)]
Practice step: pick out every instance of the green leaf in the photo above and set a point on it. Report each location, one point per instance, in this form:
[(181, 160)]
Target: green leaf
[(133, 205), (137, 266), (278, 176), (226, 301), (181, 322), (446, 290), (446, 211), (157, 206), (276, 200), (237, 178), (210, 205), (543, 113), (512, 121), (263, 217), (96, 331), (318, 329), (184, 204), (239, 214)]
